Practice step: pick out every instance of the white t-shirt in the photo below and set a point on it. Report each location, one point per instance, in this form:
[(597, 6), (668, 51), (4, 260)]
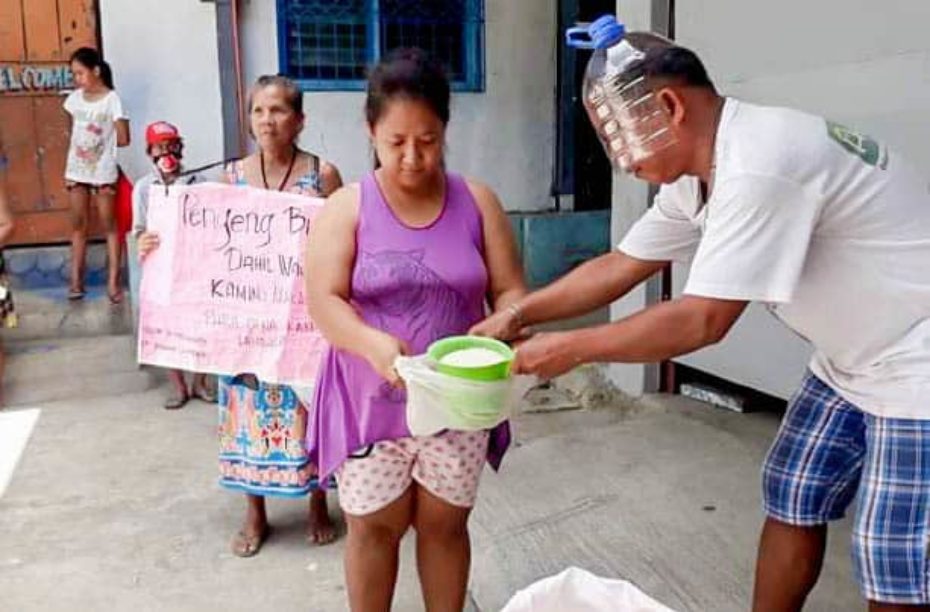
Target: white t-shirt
[(826, 226), (92, 154)]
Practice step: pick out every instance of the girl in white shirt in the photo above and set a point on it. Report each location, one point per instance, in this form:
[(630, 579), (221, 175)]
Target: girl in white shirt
[(98, 127)]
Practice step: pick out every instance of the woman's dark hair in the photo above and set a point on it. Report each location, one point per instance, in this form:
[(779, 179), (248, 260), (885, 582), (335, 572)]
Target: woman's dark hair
[(407, 73), (90, 59), (292, 93)]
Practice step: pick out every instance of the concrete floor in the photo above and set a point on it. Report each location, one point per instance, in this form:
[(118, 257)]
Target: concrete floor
[(114, 506), (666, 496)]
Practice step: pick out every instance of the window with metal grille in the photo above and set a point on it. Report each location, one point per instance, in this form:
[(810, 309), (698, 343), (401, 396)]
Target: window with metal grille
[(328, 44)]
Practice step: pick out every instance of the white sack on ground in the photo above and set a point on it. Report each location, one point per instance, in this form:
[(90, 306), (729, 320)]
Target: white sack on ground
[(577, 590)]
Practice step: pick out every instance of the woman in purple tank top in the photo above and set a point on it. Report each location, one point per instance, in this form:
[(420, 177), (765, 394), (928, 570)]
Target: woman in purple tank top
[(410, 255)]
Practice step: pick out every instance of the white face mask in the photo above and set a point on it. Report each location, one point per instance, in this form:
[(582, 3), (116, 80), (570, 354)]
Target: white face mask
[(167, 163)]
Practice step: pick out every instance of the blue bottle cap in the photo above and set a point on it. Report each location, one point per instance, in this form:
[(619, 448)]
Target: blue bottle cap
[(603, 33)]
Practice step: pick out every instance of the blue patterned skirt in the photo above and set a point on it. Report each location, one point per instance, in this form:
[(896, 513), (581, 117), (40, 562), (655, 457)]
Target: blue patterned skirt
[(261, 433)]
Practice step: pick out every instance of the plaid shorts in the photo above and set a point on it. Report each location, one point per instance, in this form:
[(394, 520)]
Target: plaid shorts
[(827, 454)]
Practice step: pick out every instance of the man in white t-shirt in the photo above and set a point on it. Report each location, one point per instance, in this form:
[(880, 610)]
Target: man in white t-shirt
[(831, 230)]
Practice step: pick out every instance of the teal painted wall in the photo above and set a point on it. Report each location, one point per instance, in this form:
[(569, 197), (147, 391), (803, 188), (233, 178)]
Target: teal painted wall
[(551, 244)]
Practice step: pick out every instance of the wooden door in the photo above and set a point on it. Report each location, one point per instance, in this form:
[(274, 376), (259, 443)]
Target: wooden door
[(36, 39)]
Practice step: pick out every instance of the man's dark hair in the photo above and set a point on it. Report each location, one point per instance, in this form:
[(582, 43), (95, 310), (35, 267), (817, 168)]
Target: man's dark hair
[(669, 62)]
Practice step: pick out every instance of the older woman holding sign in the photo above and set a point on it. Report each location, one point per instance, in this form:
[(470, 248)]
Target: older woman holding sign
[(276, 119), (262, 425)]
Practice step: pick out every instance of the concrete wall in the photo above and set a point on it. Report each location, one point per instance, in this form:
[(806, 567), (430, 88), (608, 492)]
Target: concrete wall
[(851, 60), (163, 54), (164, 58), (503, 136), (855, 61), (630, 200)]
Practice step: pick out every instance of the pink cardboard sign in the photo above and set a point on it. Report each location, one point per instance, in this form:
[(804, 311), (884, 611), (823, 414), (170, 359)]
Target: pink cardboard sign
[(224, 292)]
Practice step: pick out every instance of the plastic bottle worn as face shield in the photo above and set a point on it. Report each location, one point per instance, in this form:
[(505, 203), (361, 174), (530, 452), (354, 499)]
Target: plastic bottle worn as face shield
[(627, 116)]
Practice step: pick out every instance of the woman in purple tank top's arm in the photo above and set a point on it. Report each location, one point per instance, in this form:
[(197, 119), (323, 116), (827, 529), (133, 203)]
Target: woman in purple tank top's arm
[(409, 255)]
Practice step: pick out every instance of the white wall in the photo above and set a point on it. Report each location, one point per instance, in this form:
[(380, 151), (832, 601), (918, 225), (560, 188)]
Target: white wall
[(630, 200), (503, 136), (163, 54), (855, 61)]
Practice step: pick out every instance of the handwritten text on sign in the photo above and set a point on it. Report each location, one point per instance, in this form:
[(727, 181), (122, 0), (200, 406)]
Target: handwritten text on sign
[(224, 292)]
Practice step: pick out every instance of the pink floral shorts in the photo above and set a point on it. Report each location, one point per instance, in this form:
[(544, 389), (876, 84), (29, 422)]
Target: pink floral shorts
[(448, 465)]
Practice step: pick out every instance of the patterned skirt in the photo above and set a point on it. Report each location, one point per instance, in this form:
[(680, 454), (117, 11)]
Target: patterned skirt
[(261, 433)]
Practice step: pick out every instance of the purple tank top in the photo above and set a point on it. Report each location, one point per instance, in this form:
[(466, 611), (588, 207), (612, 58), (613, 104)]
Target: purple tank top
[(419, 285)]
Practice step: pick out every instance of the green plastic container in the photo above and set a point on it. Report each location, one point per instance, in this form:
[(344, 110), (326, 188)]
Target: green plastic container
[(497, 371)]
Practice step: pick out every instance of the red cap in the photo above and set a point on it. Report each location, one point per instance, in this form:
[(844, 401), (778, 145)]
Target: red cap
[(161, 131)]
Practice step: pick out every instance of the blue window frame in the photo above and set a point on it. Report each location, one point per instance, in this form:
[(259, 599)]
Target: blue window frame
[(328, 44)]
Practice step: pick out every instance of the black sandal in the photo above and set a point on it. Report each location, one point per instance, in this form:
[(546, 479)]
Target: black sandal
[(175, 402), (246, 546)]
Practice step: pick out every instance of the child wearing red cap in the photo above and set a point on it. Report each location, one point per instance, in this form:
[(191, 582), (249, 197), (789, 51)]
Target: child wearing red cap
[(164, 146)]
